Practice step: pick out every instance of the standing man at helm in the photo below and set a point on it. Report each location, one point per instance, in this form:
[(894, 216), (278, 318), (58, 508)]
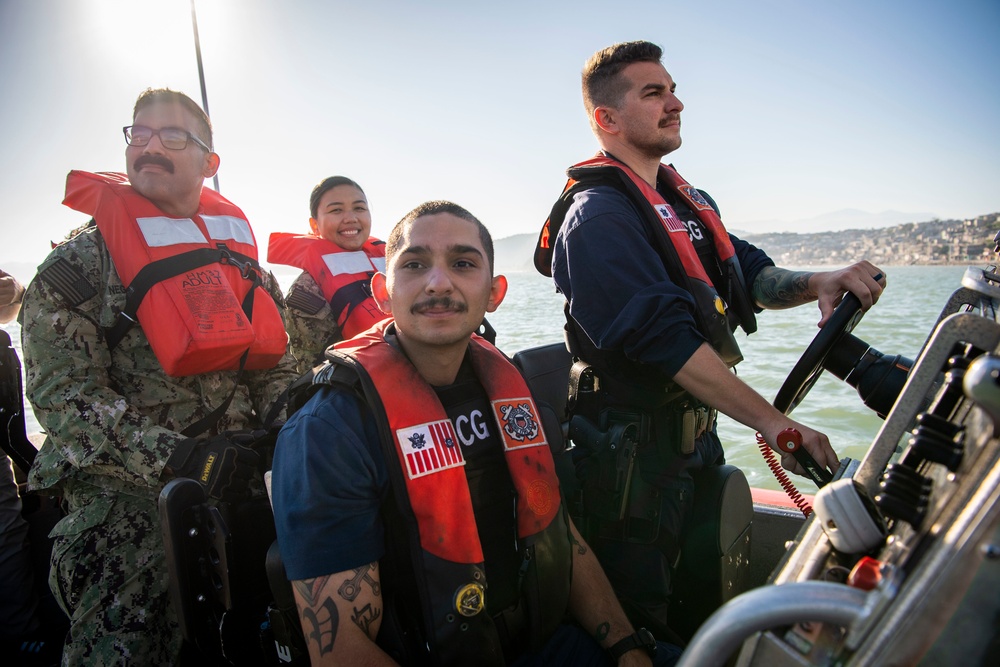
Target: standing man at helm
[(140, 375), (655, 287)]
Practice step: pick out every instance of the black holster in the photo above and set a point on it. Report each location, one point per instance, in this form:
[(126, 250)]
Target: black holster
[(613, 498)]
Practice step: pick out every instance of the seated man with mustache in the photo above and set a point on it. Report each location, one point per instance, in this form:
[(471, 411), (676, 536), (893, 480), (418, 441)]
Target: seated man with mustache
[(150, 335), (418, 512)]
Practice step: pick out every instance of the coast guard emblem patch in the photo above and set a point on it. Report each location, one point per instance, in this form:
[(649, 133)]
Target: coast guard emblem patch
[(429, 448), (519, 422), (695, 198)]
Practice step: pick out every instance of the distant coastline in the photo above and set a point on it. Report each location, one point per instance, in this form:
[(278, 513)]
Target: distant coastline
[(936, 242)]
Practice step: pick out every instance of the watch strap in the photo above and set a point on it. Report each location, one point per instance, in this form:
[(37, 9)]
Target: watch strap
[(641, 638)]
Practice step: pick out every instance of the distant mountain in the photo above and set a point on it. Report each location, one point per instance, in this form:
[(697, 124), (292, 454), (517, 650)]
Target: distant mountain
[(848, 218), (931, 242), (515, 253)]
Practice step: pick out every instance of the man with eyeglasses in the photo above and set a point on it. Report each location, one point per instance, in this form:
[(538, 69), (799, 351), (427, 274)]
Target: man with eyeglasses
[(133, 391)]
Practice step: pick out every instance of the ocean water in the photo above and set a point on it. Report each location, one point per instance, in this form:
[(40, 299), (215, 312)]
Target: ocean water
[(900, 322)]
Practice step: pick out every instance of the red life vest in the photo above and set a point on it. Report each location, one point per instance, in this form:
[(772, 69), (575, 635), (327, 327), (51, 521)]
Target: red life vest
[(343, 275), (716, 317), (449, 567), (205, 306)]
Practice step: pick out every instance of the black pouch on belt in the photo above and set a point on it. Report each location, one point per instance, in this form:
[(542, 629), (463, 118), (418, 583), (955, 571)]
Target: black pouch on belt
[(687, 421)]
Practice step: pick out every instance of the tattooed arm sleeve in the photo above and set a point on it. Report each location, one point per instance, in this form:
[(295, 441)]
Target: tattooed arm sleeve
[(776, 288), (592, 601), (341, 615)]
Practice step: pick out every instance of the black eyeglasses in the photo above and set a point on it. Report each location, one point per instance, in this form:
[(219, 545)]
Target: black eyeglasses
[(173, 138)]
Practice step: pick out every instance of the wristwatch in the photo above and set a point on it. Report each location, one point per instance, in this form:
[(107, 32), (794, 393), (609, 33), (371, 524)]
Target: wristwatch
[(641, 638)]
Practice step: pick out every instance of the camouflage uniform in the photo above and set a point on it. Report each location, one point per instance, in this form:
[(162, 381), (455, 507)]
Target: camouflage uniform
[(112, 419), (311, 324)]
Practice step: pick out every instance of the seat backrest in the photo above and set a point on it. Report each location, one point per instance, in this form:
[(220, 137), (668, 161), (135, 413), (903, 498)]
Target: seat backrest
[(715, 557), (546, 369), (220, 582)]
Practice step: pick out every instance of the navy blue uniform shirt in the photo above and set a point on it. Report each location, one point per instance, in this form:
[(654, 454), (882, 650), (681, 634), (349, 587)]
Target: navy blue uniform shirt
[(605, 263)]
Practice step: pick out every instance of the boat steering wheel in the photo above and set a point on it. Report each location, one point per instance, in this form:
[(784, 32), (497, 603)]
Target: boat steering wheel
[(810, 365)]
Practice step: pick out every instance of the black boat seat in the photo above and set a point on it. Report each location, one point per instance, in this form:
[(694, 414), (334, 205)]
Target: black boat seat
[(222, 569), (714, 560)]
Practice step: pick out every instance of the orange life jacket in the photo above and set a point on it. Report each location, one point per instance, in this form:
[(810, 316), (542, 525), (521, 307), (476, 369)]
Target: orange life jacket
[(449, 566), (716, 316), (193, 283), (343, 275)]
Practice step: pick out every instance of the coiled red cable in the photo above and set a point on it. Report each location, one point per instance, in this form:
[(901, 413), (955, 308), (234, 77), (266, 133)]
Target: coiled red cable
[(779, 473)]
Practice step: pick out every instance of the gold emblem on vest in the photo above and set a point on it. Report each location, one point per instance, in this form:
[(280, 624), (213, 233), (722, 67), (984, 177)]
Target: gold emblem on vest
[(470, 599)]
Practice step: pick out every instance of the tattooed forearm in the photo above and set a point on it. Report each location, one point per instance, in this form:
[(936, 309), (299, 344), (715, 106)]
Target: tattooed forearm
[(310, 589), (320, 619), (776, 288), (580, 548), (364, 618), (350, 589), (602, 631)]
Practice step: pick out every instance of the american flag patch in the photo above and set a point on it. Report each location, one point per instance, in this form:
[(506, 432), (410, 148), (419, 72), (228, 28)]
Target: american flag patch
[(429, 448), (670, 219)]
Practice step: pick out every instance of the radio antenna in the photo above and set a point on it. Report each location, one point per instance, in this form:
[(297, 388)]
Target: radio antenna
[(201, 75)]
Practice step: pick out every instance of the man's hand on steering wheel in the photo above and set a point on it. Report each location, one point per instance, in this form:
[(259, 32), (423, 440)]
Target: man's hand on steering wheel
[(814, 442), (859, 279)]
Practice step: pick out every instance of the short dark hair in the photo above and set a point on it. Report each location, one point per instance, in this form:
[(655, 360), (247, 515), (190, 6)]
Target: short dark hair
[(432, 208), (165, 95), (321, 189), (602, 83)]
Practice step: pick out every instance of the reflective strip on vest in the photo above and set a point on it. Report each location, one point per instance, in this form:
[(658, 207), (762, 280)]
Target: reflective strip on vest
[(227, 227), (162, 231), (340, 263)]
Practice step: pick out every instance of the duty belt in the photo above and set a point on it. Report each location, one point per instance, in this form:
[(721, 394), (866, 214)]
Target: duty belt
[(704, 420), (695, 420)]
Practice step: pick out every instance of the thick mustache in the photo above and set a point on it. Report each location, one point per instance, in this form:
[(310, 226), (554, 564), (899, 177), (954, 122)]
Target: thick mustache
[(158, 160), (445, 302)]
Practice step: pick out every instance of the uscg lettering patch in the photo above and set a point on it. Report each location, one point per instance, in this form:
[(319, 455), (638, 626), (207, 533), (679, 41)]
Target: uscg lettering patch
[(519, 423), (429, 448), (670, 219), (695, 198)]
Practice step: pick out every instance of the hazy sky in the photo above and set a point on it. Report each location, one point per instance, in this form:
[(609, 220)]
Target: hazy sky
[(794, 108)]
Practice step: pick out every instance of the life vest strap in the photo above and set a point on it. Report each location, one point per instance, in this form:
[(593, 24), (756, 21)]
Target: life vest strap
[(162, 269), (349, 297)]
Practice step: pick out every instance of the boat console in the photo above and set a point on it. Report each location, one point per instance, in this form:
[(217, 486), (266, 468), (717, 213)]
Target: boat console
[(900, 563)]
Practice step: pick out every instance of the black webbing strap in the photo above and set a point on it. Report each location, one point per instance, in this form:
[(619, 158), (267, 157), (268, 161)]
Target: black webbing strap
[(209, 420), (169, 267), (349, 297), (212, 418)]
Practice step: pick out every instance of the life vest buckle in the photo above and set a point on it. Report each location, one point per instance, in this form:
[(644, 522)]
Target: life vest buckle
[(246, 268)]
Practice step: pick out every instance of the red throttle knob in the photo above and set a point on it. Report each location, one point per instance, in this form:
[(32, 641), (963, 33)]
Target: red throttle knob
[(789, 440)]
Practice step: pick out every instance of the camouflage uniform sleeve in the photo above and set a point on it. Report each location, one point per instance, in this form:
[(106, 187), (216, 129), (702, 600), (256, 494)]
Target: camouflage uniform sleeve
[(267, 386), (310, 323), (90, 425)]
